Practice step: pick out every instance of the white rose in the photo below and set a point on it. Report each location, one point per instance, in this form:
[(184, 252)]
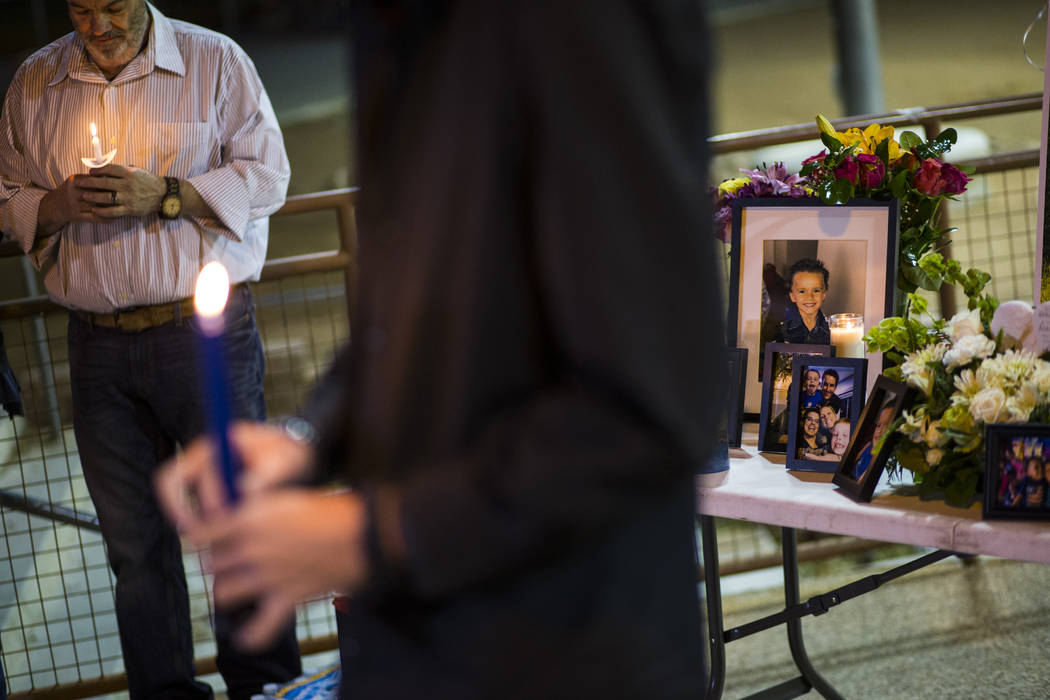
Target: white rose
[(964, 324), (989, 405), (934, 456)]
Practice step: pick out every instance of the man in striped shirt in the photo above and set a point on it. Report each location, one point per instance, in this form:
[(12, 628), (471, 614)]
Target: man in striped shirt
[(200, 164)]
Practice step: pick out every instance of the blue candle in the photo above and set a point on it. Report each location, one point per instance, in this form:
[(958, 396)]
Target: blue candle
[(213, 289)]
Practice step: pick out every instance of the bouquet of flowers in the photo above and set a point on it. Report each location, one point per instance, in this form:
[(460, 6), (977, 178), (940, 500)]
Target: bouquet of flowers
[(870, 163), (981, 366)]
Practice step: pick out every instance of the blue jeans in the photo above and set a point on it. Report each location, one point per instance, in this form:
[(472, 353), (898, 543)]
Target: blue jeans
[(136, 395)]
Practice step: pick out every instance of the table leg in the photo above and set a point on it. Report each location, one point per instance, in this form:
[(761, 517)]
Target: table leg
[(789, 544), (713, 596)]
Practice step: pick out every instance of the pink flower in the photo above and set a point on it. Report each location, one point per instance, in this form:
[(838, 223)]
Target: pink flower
[(871, 170), (819, 158), (849, 169), (928, 179), (954, 179)]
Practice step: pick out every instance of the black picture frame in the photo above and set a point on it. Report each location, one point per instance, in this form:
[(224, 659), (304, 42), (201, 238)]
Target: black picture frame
[(774, 417), (886, 402), (999, 440), (851, 381), (737, 368), (860, 234)]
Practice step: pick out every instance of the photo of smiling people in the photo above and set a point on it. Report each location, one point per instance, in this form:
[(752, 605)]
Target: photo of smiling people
[(826, 405)]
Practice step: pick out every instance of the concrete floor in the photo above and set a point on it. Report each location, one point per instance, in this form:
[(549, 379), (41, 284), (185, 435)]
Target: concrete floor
[(976, 629)]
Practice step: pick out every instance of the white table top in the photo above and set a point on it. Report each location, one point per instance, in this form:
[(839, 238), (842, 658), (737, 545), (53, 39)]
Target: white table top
[(758, 488)]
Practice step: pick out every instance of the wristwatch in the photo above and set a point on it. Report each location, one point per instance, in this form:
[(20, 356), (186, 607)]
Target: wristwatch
[(171, 204)]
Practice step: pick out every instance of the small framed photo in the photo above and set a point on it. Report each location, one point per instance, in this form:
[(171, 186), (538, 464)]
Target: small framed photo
[(796, 262), (737, 365), (872, 442), (776, 385), (827, 395), (1016, 472)]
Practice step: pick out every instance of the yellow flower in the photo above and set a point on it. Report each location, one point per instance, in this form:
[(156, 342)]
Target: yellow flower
[(728, 187), (866, 141)]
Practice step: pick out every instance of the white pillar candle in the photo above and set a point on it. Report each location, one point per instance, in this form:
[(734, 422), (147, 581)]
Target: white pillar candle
[(847, 333)]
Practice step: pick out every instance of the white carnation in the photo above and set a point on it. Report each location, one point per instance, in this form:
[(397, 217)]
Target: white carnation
[(1021, 404), (916, 370), (966, 349)]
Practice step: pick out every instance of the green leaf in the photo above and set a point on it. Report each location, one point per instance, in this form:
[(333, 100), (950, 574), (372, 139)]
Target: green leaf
[(909, 140), (916, 276), (945, 140), (833, 144), (809, 168), (927, 208), (937, 147), (841, 191), (882, 151), (823, 191), (962, 489), (919, 305), (899, 184)]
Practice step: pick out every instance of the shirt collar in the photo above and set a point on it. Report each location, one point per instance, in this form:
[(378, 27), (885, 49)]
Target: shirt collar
[(162, 51)]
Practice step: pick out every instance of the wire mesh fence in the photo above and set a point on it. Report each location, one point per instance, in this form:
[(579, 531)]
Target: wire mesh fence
[(57, 618)]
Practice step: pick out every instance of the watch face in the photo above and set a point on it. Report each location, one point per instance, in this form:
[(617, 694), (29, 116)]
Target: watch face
[(170, 207)]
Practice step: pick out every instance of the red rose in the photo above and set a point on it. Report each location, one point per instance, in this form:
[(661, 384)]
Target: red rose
[(871, 170), (928, 179), (848, 169)]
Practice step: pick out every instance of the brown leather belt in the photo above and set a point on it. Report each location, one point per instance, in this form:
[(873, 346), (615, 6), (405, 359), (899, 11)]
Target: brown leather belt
[(140, 318)]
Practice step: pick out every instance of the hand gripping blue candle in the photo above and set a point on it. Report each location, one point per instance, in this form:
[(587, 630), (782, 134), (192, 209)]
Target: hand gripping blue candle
[(213, 289)]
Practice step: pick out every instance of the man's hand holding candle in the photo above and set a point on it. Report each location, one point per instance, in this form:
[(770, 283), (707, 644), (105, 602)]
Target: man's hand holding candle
[(257, 551)]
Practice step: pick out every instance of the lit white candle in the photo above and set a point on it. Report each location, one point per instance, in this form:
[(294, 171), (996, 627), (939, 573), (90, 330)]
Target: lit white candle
[(96, 145), (847, 334)]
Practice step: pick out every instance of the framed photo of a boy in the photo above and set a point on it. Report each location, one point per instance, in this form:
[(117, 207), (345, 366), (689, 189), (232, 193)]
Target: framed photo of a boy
[(872, 442), (827, 395), (796, 262), (1017, 472)]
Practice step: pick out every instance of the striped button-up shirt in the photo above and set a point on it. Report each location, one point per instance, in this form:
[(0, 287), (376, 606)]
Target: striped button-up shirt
[(191, 106)]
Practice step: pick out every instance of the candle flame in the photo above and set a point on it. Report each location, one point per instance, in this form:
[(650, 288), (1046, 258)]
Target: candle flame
[(94, 131), (213, 289)]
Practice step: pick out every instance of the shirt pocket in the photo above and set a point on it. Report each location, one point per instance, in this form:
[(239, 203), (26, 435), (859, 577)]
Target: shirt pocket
[(182, 149)]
